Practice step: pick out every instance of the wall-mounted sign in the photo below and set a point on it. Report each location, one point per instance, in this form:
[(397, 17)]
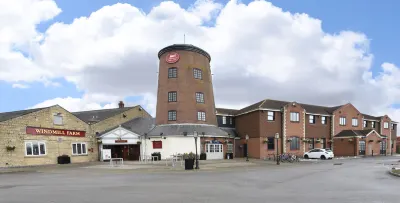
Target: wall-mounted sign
[(56, 132), (121, 141), (157, 144), (172, 57)]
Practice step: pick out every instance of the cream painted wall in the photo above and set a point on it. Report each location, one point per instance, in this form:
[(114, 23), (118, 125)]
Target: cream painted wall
[(171, 145)]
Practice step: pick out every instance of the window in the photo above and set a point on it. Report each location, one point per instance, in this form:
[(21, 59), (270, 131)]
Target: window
[(199, 97), (79, 149), (373, 124), (323, 120), (172, 115), (35, 148), (172, 96), (271, 115), (58, 119), (385, 125), (271, 143), (230, 121), (172, 73), (342, 120), (295, 143), (354, 122), (393, 126), (201, 116), (197, 73), (294, 117), (223, 119), (229, 148), (312, 119), (365, 124)]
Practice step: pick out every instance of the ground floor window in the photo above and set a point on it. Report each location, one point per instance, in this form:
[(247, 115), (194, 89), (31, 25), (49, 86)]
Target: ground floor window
[(35, 148), (295, 143), (79, 149), (361, 145), (229, 148), (271, 143)]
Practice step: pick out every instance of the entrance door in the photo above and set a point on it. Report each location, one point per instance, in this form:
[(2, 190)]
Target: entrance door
[(214, 151), (370, 148), (361, 145), (383, 147), (134, 152)]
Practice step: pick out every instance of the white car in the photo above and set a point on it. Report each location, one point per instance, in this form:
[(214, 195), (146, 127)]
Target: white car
[(319, 154)]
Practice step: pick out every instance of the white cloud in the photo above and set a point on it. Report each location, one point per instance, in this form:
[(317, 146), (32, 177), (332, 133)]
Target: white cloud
[(258, 51), (21, 86)]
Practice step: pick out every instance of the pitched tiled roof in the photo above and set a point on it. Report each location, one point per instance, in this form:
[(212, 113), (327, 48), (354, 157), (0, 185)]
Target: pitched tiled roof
[(99, 115), (366, 116), (138, 125), (353, 133), (250, 108), (316, 109), (226, 111), (14, 114)]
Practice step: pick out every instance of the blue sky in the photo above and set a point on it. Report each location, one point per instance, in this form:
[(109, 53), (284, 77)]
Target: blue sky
[(377, 19)]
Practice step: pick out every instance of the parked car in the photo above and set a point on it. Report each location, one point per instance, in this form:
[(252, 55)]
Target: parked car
[(319, 154)]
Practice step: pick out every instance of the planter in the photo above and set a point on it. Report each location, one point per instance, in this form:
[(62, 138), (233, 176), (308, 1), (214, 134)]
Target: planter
[(203, 156), (229, 156), (64, 159), (189, 163)]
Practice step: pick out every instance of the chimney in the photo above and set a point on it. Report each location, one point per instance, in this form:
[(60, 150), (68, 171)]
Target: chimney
[(121, 104)]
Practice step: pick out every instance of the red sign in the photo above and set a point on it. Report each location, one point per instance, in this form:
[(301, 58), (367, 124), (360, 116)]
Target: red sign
[(157, 144), (56, 132), (121, 141), (172, 57)]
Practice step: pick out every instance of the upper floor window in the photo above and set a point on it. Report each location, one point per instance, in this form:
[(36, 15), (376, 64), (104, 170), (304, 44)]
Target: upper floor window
[(312, 119), (365, 123), (385, 125), (342, 120), (230, 120), (223, 119), (57, 119), (172, 72), (354, 122), (201, 116), (172, 115), (294, 116), (373, 124), (393, 126), (199, 97), (172, 96), (323, 119), (197, 73), (271, 115)]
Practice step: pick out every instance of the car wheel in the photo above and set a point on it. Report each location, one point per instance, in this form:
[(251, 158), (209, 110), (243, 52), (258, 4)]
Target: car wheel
[(323, 157), (306, 156)]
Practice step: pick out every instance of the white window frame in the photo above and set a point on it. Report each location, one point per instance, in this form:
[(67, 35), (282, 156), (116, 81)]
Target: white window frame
[(323, 119), (230, 120), (31, 144), (229, 148), (354, 122), (385, 125), (223, 119), (295, 116), (373, 124), (172, 115), (199, 97), (312, 119), (270, 116), (197, 73), (365, 123), (77, 154), (201, 116), (173, 96), (342, 120), (58, 116)]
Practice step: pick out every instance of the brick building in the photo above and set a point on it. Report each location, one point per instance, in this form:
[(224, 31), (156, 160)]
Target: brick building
[(39, 136), (302, 127)]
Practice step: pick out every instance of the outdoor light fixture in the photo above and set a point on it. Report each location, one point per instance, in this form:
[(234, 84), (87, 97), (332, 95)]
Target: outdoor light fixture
[(247, 147), (195, 135)]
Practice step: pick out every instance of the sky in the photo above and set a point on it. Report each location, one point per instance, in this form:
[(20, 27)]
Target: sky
[(85, 54)]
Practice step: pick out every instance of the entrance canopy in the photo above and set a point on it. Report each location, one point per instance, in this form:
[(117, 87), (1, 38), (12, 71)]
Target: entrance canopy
[(119, 136)]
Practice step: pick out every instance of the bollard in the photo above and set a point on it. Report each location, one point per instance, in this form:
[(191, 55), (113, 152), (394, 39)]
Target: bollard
[(372, 152)]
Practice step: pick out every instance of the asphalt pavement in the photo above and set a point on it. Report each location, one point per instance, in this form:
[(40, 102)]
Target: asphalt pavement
[(357, 180)]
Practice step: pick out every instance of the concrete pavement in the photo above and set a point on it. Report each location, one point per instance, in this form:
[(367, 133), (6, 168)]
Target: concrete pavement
[(357, 180)]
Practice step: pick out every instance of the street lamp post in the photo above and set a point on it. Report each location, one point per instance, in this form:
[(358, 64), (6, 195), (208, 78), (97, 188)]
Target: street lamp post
[(247, 147), (195, 135), (277, 148)]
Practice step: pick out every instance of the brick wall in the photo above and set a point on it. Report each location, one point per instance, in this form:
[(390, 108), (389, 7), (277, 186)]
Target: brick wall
[(294, 129), (13, 133)]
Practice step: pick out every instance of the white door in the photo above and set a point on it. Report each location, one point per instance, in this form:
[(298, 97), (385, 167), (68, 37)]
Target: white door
[(214, 151)]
